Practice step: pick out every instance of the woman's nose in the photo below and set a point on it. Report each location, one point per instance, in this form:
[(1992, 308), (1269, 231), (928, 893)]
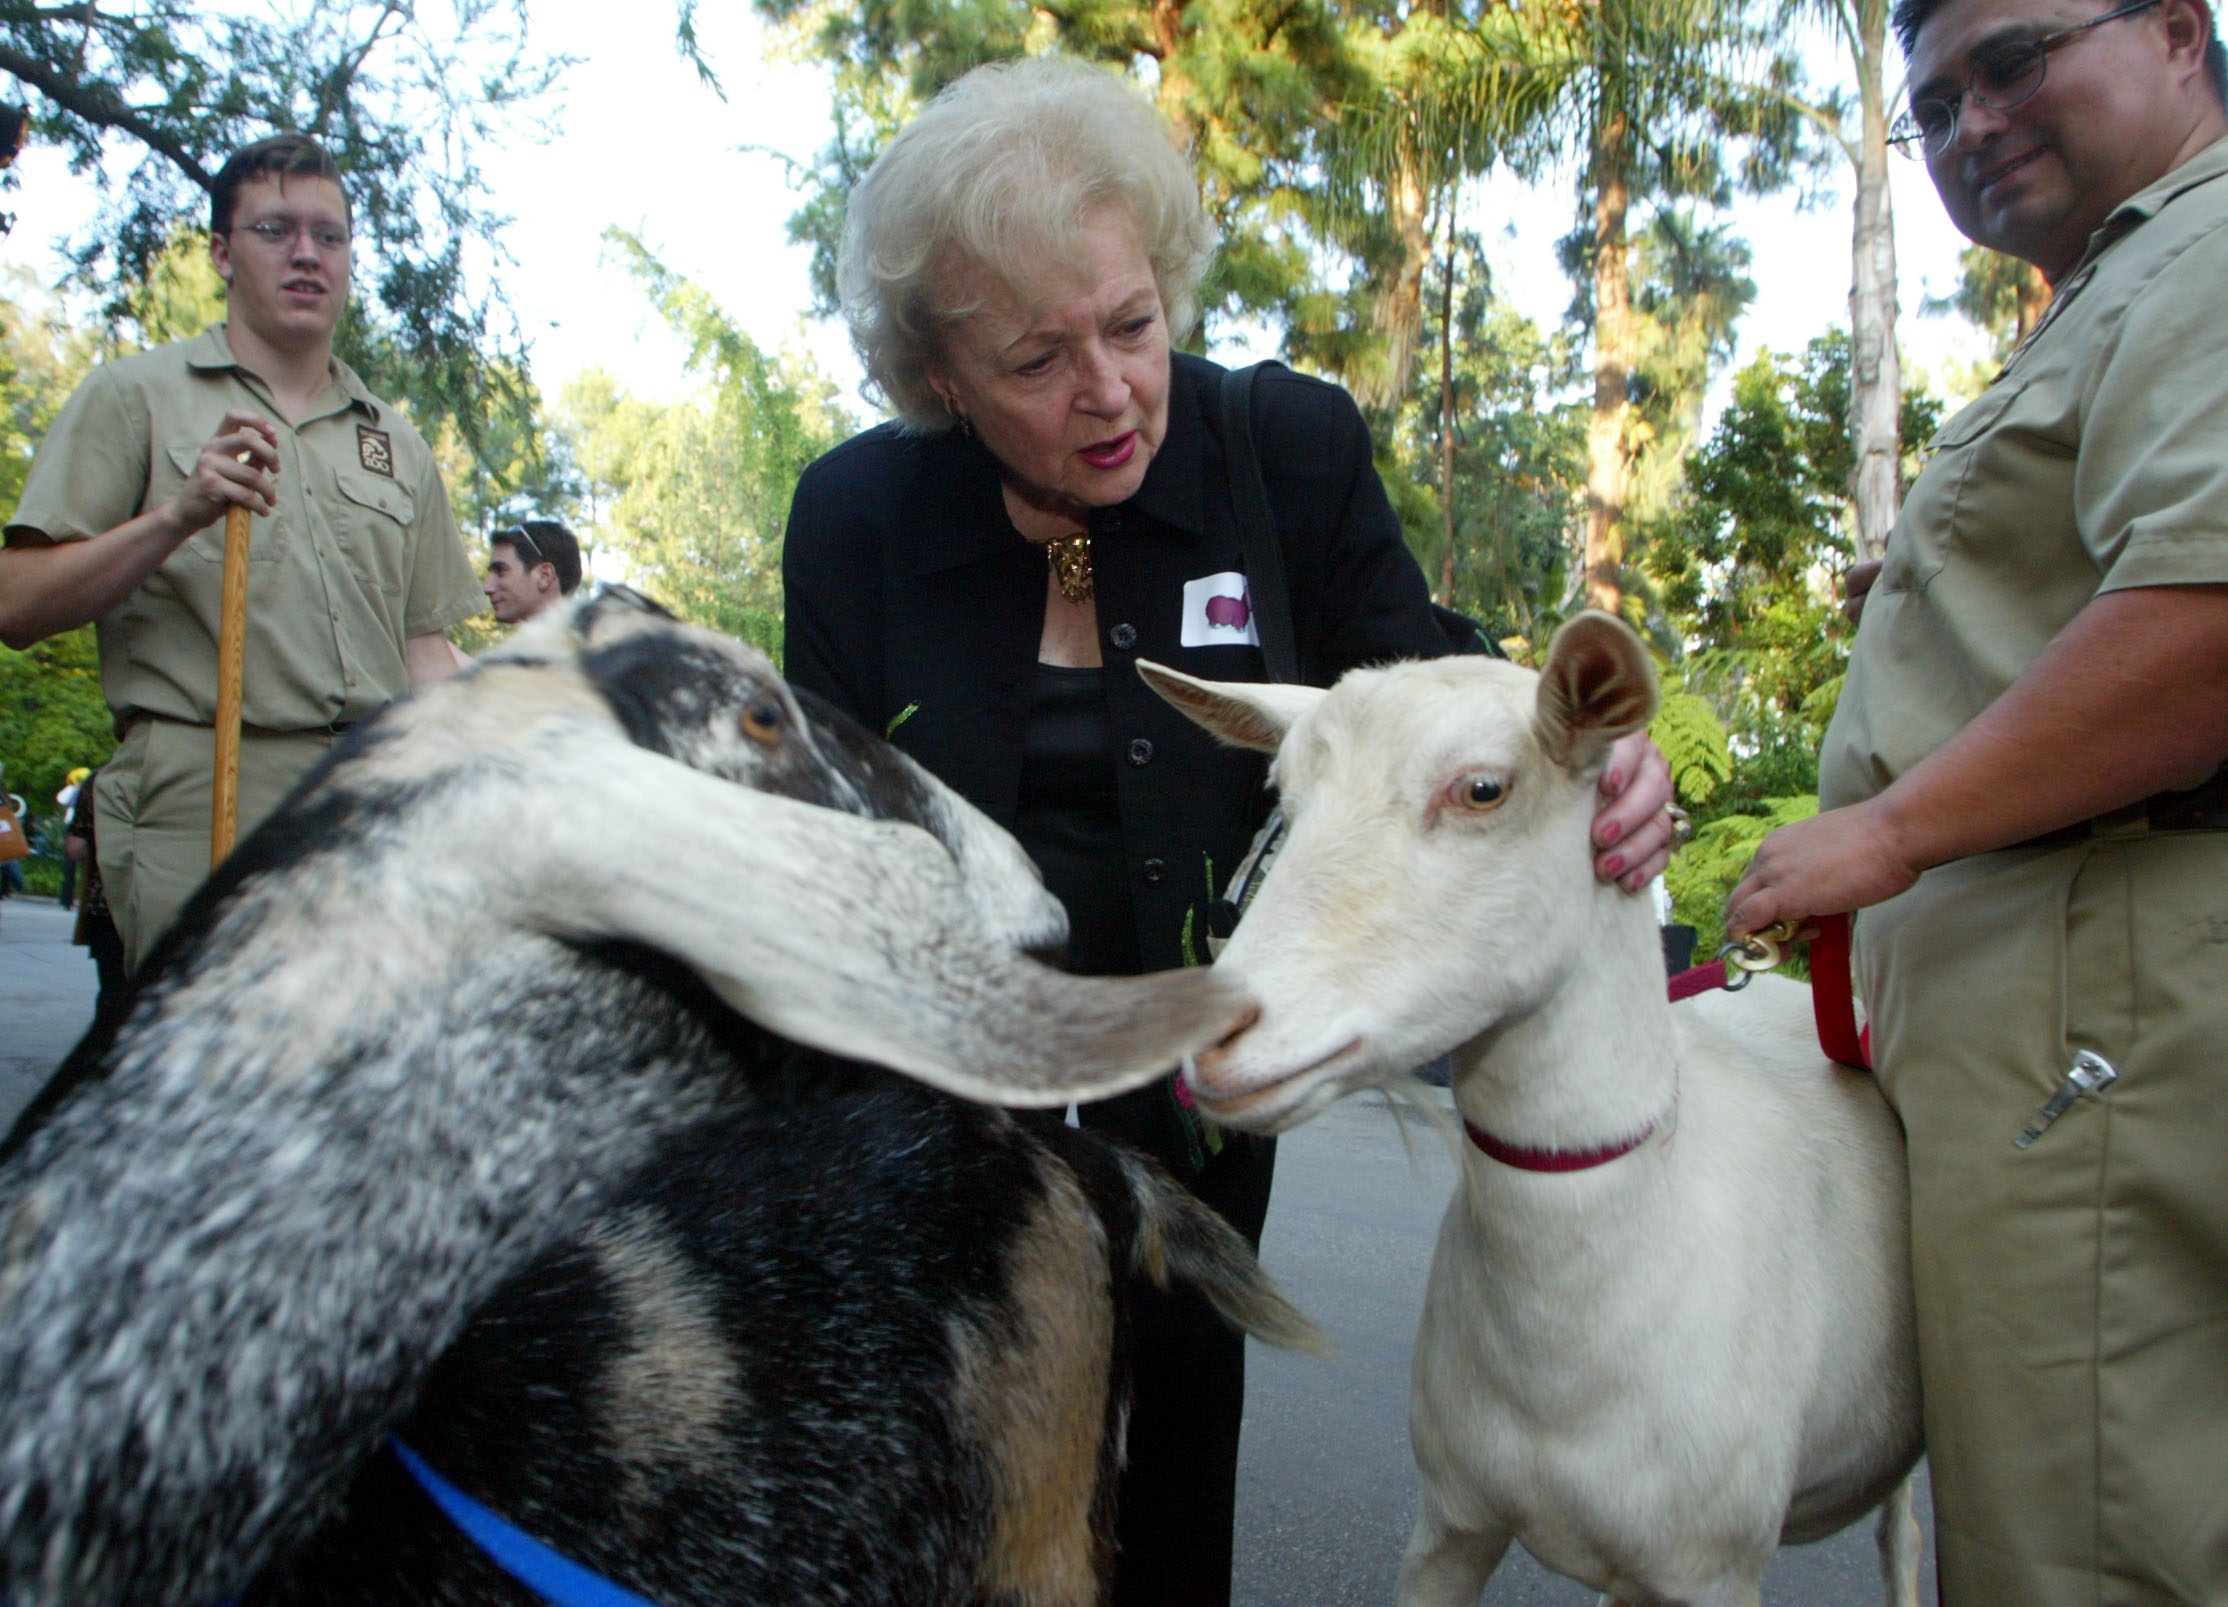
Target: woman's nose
[(1103, 390)]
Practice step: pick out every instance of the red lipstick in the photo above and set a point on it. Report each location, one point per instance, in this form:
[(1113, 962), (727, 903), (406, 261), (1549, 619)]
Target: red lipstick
[(1111, 454)]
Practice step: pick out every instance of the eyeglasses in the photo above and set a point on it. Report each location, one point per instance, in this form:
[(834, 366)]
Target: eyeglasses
[(2003, 77), (279, 233), (520, 542)]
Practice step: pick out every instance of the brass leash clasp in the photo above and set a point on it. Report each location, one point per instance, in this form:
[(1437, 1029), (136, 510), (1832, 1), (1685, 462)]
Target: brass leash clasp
[(1759, 951)]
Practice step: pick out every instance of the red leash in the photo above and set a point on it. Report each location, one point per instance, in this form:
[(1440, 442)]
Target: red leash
[(1702, 979), (1831, 1004)]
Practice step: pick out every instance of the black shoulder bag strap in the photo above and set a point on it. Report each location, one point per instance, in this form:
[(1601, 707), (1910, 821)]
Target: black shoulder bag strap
[(1264, 554), (1272, 619), (1272, 598)]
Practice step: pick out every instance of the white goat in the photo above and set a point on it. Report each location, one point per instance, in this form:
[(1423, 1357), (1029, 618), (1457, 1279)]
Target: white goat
[(1670, 1325)]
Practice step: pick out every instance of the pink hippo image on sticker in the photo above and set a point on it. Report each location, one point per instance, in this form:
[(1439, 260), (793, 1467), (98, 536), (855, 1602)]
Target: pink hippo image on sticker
[(1229, 612)]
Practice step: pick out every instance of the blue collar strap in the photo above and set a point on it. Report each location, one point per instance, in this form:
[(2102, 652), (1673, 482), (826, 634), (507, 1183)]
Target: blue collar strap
[(557, 1579)]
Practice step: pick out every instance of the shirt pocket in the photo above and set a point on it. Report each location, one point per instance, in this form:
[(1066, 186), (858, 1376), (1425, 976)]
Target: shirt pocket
[(372, 519), (1926, 530), (207, 545)]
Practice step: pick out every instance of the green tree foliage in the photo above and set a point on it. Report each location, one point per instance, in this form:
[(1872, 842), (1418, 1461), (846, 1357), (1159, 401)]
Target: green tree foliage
[(180, 296), (1519, 455), (52, 715), (1519, 464), (41, 360), (1748, 570), (148, 98), (1669, 100), (1690, 286), (1694, 740), (1746, 565), (509, 464), (691, 498), (2000, 295), (1703, 872), (1245, 83)]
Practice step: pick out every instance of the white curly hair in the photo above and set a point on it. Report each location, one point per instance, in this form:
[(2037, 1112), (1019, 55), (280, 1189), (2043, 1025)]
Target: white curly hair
[(1003, 170)]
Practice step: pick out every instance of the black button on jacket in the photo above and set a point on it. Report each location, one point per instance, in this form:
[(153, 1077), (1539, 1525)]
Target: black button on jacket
[(908, 589)]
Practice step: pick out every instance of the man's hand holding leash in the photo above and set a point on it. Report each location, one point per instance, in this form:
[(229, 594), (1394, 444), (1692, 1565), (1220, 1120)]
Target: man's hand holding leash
[(1842, 860)]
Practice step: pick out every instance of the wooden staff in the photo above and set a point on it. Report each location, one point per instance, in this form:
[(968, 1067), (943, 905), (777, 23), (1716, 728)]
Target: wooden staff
[(232, 657)]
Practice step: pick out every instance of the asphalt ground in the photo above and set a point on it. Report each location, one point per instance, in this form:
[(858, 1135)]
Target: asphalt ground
[(1326, 1490), (46, 996)]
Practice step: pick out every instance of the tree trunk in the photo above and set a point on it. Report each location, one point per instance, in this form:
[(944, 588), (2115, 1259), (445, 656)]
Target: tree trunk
[(1399, 310), (1409, 197), (1607, 467), (1875, 370), (1176, 94), (1446, 415)]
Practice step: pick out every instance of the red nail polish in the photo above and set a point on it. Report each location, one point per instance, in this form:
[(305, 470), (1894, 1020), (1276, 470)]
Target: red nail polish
[(1610, 833), (1616, 863)]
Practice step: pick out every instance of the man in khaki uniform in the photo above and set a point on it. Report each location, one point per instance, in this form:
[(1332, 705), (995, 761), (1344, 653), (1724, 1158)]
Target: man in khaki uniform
[(2023, 792), (356, 570)]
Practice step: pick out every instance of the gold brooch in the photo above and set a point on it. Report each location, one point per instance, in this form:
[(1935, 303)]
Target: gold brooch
[(1070, 557)]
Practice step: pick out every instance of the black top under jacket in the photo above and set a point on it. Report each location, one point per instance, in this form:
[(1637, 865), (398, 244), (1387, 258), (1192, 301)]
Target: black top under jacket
[(909, 593)]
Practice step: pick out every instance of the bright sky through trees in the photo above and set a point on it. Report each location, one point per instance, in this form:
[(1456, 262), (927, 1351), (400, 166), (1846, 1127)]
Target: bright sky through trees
[(636, 140)]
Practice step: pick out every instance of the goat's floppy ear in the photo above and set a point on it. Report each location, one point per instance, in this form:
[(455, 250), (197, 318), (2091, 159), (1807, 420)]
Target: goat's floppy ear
[(851, 935), (1242, 714), (1596, 686)]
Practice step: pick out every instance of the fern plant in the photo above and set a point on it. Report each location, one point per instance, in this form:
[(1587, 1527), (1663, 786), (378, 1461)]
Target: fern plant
[(1694, 739), (1707, 869)]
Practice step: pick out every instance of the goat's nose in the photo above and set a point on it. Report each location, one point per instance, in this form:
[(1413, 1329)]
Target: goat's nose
[(1208, 1062)]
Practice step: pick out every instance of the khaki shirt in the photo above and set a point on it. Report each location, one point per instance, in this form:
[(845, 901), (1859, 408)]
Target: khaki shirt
[(2097, 461), (362, 553)]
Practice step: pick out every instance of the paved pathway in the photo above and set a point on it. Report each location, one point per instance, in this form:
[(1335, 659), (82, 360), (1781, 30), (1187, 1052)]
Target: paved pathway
[(46, 996)]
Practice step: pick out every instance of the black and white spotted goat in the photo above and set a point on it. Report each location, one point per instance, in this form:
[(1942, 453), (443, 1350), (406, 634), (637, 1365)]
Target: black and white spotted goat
[(452, 1115)]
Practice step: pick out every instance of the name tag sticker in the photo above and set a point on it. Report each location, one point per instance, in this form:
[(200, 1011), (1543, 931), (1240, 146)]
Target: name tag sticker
[(1218, 612)]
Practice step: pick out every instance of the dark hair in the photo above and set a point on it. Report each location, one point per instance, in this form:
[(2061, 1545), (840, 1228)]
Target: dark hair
[(283, 155), (1909, 16), (544, 541)]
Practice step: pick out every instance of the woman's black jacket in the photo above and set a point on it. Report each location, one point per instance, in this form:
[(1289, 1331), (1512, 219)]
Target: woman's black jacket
[(914, 605)]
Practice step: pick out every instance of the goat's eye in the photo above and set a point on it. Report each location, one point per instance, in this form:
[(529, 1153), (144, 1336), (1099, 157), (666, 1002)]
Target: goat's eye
[(1477, 793), (762, 721)]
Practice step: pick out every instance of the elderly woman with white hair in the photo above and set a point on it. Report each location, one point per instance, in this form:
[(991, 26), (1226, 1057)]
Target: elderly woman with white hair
[(1054, 502)]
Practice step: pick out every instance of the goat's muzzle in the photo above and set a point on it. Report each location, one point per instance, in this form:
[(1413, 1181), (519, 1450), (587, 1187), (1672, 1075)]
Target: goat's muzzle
[(1202, 1069)]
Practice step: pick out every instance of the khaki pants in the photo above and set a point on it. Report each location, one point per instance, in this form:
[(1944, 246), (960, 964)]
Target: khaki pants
[(154, 802), (2072, 1297)]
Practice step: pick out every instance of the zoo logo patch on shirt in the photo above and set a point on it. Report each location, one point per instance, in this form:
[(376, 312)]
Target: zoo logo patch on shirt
[(1218, 612), (375, 450)]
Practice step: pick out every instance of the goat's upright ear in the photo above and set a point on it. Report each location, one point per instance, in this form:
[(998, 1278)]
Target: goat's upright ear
[(1242, 714), (1596, 686)]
